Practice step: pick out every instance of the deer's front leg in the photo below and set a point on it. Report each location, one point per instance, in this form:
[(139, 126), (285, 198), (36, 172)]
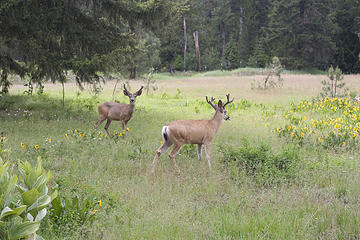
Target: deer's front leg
[(207, 151), (199, 151), (123, 124), (101, 119)]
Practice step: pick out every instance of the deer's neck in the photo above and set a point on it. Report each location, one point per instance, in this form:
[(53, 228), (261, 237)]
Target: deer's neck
[(216, 120), (131, 107)]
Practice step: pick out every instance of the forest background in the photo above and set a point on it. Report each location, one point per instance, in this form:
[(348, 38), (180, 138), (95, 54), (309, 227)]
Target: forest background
[(45, 40)]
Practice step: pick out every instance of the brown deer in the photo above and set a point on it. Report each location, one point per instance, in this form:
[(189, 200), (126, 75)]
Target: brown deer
[(114, 111), (200, 132)]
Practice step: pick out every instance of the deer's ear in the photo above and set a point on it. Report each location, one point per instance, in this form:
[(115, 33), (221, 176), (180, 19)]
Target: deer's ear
[(139, 92), (220, 104), (126, 92)]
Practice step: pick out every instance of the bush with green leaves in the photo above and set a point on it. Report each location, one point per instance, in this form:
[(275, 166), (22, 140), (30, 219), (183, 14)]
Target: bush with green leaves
[(69, 215), (150, 82), (23, 200), (273, 77), (334, 87), (260, 162)]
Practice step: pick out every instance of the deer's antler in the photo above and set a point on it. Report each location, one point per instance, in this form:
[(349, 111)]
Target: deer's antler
[(228, 100), (211, 102)]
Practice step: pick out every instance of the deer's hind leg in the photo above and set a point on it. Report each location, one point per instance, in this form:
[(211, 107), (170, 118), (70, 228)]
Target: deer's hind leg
[(172, 154), (108, 122), (161, 149)]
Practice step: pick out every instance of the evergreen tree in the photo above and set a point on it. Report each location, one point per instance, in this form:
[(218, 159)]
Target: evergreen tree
[(300, 33), (53, 37), (231, 58), (347, 14)]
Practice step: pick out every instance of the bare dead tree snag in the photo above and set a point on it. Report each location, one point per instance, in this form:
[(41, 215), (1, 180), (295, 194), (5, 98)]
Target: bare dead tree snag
[(196, 39), (185, 43)]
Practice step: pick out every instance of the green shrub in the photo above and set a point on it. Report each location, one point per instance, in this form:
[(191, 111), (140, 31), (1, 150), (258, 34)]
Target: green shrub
[(68, 215), (23, 200), (260, 162)]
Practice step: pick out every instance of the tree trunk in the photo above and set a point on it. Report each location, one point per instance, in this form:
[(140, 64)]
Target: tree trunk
[(117, 81), (132, 73), (63, 93), (185, 43), (223, 39), (241, 21), (4, 82), (196, 39)]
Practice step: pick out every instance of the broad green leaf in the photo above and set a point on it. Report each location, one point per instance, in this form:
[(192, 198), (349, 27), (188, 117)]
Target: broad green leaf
[(30, 217), (54, 195), (56, 206), (29, 180), (21, 188), (20, 209), (3, 169), (43, 201), (38, 170), (41, 215), (23, 230), (30, 197), (42, 179), (6, 212), (10, 186), (44, 190)]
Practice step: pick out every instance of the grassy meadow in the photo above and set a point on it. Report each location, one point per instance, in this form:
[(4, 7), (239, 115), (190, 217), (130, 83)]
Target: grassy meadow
[(315, 194)]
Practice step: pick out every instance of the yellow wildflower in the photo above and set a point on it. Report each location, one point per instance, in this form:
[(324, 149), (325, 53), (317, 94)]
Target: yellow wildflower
[(50, 140), (127, 129), (22, 146), (36, 146), (67, 136), (120, 134), (289, 127), (76, 131), (343, 143), (278, 129), (94, 211), (161, 142), (81, 135), (302, 134), (100, 203), (266, 125), (320, 139)]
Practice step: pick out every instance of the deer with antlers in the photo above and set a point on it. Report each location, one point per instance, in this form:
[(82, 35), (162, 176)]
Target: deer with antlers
[(114, 111), (200, 132)]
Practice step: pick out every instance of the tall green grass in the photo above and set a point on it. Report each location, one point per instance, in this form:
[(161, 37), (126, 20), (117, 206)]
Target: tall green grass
[(320, 201)]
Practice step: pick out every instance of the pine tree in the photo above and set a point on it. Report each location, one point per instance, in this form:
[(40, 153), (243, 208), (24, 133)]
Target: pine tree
[(300, 33), (231, 58)]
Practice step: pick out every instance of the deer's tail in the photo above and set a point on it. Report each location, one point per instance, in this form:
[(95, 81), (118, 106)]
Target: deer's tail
[(165, 133)]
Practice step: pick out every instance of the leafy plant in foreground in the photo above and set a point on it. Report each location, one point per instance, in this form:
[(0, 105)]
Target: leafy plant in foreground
[(23, 200)]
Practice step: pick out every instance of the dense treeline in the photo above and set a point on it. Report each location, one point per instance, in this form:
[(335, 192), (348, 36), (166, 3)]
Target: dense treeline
[(238, 33), (47, 39)]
